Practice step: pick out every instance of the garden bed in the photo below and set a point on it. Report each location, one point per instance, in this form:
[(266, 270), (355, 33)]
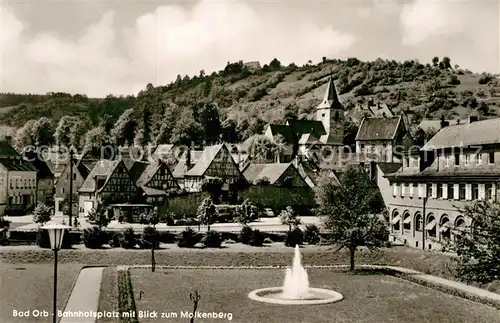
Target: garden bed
[(368, 297)]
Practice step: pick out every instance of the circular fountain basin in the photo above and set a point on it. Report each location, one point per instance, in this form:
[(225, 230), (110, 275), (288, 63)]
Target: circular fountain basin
[(316, 296)]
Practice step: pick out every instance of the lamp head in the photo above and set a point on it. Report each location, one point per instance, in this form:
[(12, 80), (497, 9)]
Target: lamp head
[(56, 234)]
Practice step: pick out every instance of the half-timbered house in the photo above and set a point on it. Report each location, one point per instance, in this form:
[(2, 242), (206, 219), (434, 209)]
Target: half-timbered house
[(284, 174), (156, 180), (110, 183), (215, 162), (217, 169)]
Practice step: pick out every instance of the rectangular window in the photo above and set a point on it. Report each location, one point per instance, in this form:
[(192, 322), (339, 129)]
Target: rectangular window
[(439, 191), (467, 159), (429, 190), (489, 191), (475, 191), (479, 159), (457, 160), (491, 158), (461, 191), (74, 176), (447, 160)]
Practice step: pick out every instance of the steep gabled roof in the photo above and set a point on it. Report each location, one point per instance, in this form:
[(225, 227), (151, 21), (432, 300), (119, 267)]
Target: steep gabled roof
[(6, 150), (44, 171), (148, 173), (205, 160), (378, 128), (102, 168), (137, 169), (17, 164), (303, 126), (482, 132), (271, 172), (283, 130), (331, 98)]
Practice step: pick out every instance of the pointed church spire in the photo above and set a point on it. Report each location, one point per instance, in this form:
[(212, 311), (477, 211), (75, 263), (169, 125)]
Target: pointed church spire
[(331, 99)]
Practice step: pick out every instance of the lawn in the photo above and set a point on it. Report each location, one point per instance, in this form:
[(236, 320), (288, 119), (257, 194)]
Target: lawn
[(367, 298), (30, 287), (234, 255)]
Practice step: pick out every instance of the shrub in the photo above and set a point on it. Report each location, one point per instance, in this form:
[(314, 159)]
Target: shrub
[(485, 79), (43, 240), (128, 240), (257, 239), (93, 237), (151, 236), (212, 239), (115, 241), (245, 235), (4, 223), (311, 234), (187, 238), (293, 238)]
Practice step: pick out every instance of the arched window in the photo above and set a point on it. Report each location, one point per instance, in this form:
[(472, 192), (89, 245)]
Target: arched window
[(445, 228), (460, 227), (419, 222), (406, 221), (396, 221), (430, 227)]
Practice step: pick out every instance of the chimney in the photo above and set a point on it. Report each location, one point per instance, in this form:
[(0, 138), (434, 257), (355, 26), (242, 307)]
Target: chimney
[(473, 119)]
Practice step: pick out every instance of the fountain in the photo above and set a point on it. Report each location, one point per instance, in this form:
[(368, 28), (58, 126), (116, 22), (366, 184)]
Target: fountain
[(295, 290)]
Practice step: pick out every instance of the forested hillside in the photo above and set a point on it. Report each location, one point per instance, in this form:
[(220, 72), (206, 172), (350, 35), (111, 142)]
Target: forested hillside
[(237, 102)]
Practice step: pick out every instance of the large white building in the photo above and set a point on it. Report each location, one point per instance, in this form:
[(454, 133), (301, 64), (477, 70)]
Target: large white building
[(457, 166), (18, 184)]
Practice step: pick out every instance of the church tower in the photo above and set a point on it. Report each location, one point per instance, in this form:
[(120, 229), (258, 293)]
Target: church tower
[(331, 113)]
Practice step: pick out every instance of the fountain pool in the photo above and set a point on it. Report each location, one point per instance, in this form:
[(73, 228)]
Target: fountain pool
[(295, 289)]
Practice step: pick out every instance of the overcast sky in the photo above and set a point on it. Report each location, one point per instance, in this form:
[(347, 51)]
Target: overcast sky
[(103, 47)]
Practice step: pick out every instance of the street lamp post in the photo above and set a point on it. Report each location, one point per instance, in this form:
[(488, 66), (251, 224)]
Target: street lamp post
[(56, 234)]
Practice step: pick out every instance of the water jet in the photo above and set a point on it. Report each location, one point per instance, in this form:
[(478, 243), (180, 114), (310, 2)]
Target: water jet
[(295, 289)]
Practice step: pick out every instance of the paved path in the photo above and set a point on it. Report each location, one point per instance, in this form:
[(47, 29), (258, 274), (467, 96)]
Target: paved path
[(84, 298)]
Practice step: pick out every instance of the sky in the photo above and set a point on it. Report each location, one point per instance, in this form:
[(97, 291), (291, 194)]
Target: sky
[(117, 47)]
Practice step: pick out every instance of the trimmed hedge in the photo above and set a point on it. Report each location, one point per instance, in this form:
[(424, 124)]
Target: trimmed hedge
[(43, 240), (126, 301)]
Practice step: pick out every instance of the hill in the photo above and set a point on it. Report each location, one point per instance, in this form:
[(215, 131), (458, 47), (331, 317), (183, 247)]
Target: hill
[(249, 96)]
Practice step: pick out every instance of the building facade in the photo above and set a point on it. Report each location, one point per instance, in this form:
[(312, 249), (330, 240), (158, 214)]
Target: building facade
[(18, 192), (459, 165), (63, 184), (383, 137)]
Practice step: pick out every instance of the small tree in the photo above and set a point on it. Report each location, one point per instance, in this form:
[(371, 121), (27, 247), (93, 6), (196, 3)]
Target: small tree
[(99, 216), (350, 211), (246, 212), (42, 214), (478, 246), (207, 213), (152, 217), (290, 218)]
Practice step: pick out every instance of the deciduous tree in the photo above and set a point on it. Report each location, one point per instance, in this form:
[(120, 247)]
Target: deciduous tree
[(478, 245), (42, 214), (350, 211)]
